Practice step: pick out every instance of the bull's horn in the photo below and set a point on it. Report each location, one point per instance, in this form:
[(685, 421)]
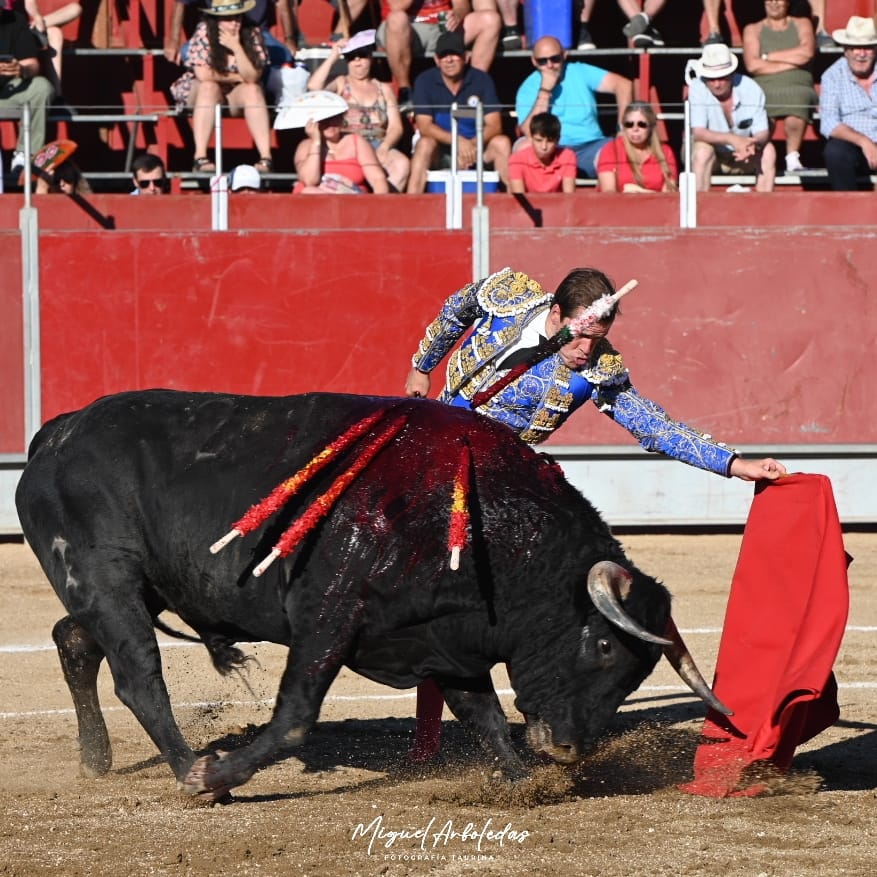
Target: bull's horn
[(678, 655), (607, 581)]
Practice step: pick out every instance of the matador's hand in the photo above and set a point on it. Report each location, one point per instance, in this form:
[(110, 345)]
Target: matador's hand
[(757, 470), (417, 384)]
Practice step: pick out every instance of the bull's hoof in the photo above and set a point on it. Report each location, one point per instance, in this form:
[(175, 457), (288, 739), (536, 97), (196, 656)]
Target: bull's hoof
[(91, 772), (510, 772), (205, 781), (94, 765)]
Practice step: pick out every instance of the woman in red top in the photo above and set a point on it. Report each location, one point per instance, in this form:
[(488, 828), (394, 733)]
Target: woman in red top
[(328, 160), (637, 161)]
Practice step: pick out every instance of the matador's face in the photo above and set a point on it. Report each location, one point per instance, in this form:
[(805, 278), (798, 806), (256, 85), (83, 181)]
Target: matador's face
[(577, 353)]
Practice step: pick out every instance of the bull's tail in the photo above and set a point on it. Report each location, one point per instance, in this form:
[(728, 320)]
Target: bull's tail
[(225, 655), (177, 634)]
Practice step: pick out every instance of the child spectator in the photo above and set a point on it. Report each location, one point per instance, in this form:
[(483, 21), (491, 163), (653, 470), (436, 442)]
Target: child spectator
[(541, 165), (636, 160)]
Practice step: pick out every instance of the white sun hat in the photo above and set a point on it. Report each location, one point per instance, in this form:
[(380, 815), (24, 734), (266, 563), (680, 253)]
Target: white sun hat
[(316, 105), (858, 32), (361, 40), (716, 61)]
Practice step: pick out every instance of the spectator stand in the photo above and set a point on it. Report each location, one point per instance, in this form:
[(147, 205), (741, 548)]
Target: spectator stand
[(118, 79)]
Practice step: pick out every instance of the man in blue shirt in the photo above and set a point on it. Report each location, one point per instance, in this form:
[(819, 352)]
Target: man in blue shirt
[(452, 80), (569, 91), (848, 106)]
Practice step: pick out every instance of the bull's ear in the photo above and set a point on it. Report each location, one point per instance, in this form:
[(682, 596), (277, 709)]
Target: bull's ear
[(608, 585)]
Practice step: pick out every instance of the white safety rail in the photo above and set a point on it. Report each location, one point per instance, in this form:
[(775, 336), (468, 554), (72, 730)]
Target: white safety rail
[(454, 181)]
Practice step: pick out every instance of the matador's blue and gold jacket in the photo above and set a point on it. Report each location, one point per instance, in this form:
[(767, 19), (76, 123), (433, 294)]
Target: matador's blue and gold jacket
[(539, 401)]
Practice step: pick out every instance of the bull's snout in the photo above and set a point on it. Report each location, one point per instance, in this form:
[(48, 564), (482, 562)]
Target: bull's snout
[(563, 753), (541, 739)]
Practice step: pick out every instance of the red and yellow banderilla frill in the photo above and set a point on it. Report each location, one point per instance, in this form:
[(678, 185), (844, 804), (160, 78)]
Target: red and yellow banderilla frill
[(323, 504), (257, 514), (459, 509)]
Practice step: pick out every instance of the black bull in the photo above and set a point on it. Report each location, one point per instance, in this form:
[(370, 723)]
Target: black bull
[(121, 500)]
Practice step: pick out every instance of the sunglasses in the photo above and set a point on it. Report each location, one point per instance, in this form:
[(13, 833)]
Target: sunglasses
[(145, 184), (549, 59), (636, 124), (359, 53)]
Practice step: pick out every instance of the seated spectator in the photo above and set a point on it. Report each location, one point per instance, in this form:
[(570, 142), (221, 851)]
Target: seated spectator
[(543, 166), (244, 178), (510, 38), (848, 106), (729, 125), (712, 9), (777, 52), (150, 177), (823, 40), (568, 90), (453, 80), (372, 108), (20, 82), (639, 28), (412, 28), (47, 29), (636, 160), (329, 161), (54, 170), (263, 14), (65, 179), (226, 60)]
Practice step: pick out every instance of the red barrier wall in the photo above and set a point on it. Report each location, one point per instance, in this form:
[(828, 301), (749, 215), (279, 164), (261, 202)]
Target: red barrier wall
[(758, 336), (11, 346), (587, 209)]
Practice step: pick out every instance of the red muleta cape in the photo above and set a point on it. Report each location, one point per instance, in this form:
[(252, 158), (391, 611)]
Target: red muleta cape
[(786, 615)]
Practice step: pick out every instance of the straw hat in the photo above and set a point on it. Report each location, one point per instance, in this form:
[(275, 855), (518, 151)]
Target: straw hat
[(716, 61), (229, 7), (316, 105), (858, 32)]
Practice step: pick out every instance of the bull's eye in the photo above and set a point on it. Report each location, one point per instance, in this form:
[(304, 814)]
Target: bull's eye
[(604, 647)]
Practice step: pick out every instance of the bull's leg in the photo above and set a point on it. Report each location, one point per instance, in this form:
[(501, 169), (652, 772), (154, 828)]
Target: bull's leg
[(302, 689), (102, 591), (80, 660), (128, 640), (481, 712)]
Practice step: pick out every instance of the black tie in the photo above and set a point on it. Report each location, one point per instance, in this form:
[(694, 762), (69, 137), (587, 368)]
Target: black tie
[(522, 355)]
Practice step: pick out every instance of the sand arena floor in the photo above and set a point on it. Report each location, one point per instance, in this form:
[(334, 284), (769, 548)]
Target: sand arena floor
[(618, 813)]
